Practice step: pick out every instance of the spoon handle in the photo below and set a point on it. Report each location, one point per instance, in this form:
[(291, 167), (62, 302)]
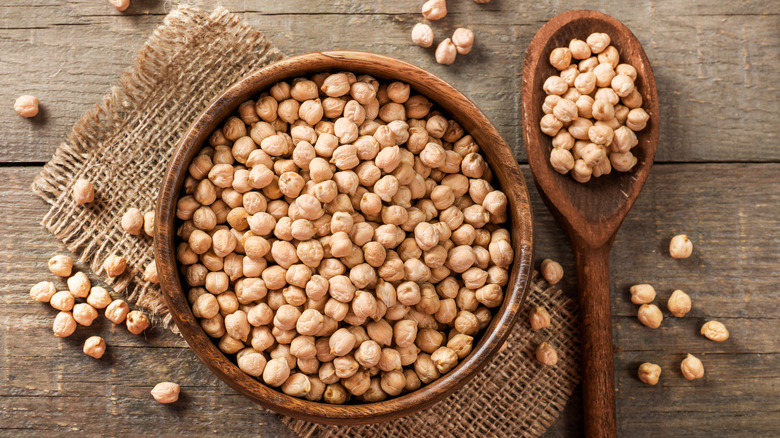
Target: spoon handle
[(598, 377)]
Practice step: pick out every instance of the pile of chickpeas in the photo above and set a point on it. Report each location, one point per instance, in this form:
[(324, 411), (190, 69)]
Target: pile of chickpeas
[(343, 239), (592, 109)]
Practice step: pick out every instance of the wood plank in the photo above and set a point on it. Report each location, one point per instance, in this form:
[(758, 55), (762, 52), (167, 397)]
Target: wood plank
[(727, 277), (71, 53)]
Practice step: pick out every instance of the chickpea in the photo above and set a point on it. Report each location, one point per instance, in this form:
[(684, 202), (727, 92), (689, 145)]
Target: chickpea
[(692, 368), (598, 42), (335, 394), (83, 192), (444, 359), (560, 58), (461, 344), (368, 353), (114, 265), (426, 369), (422, 35), (276, 372), (95, 347), (680, 247), (117, 311), (650, 315), (546, 354), (622, 161), (550, 125), (64, 325), (84, 314), (649, 373), (466, 323), (565, 111), (136, 322), (346, 366), (434, 9), (43, 291), (579, 49), (251, 362), (642, 294), (585, 82), (61, 265), (98, 298), (604, 74), (679, 303), (715, 331), (27, 105)]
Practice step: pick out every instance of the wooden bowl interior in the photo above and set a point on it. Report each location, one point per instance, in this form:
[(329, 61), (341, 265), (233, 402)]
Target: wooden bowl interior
[(494, 148), (602, 197)]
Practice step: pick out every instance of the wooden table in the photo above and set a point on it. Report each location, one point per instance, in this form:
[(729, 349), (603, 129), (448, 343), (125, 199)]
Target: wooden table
[(716, 178)]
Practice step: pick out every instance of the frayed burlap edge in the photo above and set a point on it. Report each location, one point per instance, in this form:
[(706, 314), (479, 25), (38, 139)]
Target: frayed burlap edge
[(123, 145), (514, 396)]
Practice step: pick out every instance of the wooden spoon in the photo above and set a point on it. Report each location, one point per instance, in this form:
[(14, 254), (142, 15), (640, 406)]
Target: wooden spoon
[(590, 213)]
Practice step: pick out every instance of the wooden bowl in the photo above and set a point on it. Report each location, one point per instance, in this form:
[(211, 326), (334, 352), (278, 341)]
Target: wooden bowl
[(495, 150)]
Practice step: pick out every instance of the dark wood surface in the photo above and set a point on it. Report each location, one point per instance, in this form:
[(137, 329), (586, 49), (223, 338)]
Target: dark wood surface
[(446, 98), (589, 213), (715, 178)]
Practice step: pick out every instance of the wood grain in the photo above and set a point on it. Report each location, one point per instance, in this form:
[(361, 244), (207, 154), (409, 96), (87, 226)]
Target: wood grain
[(70, 53), (590, 213), (455, 105)]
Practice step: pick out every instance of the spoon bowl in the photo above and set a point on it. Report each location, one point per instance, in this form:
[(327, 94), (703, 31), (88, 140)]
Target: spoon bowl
[(590, 213)]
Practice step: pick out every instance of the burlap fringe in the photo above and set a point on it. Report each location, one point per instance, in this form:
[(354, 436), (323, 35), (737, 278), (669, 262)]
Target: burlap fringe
[(514, 396), (123, 145)]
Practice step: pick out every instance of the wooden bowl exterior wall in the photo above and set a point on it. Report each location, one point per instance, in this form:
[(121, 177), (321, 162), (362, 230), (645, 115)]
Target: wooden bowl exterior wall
[(494, 148)]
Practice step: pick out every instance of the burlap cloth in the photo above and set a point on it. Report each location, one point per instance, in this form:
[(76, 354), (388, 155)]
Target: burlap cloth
[(123, 146)]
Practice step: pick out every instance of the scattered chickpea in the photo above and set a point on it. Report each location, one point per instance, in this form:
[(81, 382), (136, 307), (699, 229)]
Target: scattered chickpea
[(680, 247), (26, 106), (650, 315), (434, 9), (117, 311), (546, 354), (133, 221), (84, 314), (539, 318), (679, 303), (79, 285), (63, 301), (99, 298), (642, 294), (43, 291), (166, 392), (649, 373), (446, 52), (422, 35), (692, 368), (120, 5), (61, 265), (114, 265), (150, 273), (83, 192), (95, 346), (137, 322), (552, 271), (463, 39), (715, 331), (64, 325)]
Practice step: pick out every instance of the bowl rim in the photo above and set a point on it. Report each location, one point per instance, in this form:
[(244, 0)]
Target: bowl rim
[(459, 108)]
